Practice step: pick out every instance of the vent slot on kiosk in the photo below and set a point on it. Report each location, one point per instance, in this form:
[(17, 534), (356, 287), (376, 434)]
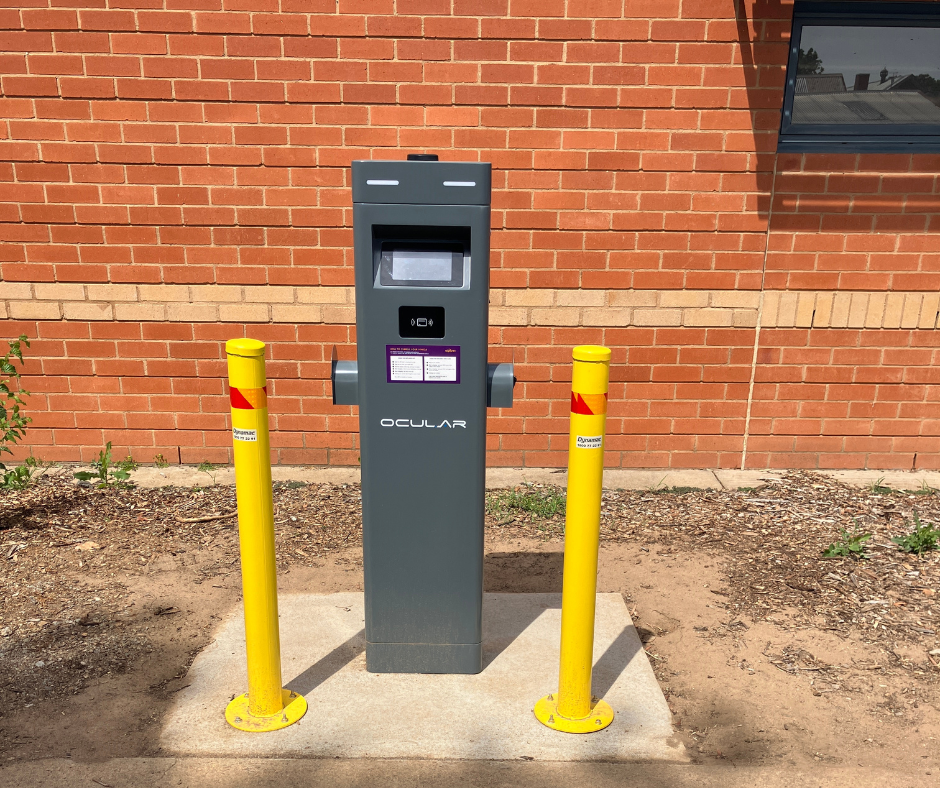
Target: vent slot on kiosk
[(433, 257)]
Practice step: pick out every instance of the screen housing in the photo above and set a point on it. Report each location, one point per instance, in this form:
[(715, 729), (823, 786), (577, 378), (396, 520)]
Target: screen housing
[(392, 244)]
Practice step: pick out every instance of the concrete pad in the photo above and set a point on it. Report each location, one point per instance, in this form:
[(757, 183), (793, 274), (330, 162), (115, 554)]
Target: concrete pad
[(188, 476), (635, 479), (334, 773), (500, 478), (496, 478), (355, 714), (614, 478), (899, 480), (732, 480)]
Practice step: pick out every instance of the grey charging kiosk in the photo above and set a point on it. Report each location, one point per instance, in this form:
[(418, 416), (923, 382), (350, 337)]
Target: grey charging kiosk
[(422, 383)]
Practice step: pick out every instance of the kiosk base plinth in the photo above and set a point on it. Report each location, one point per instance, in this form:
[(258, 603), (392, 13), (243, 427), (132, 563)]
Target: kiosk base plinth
[(424, 657), (546, 712), (238, 716)]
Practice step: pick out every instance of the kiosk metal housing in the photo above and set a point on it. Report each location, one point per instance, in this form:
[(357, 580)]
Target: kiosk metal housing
[(422, 384)]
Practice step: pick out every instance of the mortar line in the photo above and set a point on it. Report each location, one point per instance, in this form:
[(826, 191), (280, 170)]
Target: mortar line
[(760, 313)]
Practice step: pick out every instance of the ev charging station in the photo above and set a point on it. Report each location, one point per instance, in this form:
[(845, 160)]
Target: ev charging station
[(422, 383)]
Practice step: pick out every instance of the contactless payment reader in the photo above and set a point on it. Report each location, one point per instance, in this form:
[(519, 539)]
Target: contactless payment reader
[(422, 383)]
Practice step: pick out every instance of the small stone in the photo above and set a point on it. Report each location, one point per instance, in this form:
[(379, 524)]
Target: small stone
[(934, 653), (6, 632), (40, 664), (86, 546)]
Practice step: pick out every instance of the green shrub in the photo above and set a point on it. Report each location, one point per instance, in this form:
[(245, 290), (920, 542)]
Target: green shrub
[(850, 545), (924, 538), (106, 471), (12, 421)]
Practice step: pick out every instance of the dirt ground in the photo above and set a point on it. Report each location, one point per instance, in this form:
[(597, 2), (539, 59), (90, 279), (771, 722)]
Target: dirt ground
[(768, 654)]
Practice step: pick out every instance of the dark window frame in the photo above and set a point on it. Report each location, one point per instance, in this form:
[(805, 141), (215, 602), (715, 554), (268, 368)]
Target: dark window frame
[(844, 137)]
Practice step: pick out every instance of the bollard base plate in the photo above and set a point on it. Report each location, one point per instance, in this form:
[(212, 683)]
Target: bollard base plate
[(546, 712), (238, 716)]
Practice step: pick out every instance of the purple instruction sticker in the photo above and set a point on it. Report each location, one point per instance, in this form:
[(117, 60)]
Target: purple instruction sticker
[(422, 363)]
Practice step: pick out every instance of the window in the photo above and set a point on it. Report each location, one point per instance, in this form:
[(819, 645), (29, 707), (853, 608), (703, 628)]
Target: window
[(863, 77)]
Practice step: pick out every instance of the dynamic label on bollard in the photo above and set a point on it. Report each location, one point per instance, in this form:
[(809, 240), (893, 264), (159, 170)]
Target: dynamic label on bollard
[(267, 706), (574, 708), (590, 441)]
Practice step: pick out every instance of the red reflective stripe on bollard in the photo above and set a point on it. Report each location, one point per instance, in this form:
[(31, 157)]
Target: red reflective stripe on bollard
[(588, 404), (248, 399)]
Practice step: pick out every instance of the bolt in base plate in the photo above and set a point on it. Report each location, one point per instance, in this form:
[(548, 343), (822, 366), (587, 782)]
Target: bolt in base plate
[(546, 712), (238, 716)]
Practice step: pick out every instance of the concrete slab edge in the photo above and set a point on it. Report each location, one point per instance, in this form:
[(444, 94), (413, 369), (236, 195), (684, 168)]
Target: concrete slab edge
[(499, 478), (163, 772)]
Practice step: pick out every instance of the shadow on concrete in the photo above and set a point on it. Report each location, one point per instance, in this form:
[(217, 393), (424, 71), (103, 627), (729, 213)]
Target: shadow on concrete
[(499, 633), (614, 661), (542, 573), (517, 573), (536, 573), (328, 665)]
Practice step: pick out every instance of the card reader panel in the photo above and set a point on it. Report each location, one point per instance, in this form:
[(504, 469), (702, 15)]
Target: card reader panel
[(421, 322)]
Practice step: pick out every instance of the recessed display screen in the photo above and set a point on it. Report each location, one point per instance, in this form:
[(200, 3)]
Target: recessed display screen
[(403, 264), (412, 265)]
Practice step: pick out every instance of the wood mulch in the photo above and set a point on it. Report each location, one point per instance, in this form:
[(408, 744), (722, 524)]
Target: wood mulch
[(771, 539), (64, 549)]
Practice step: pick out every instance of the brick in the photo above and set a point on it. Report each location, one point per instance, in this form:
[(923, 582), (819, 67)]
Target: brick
[(425, 50), (33, 310), (623, 213), (48, 19), (15, 290), (87, 311)]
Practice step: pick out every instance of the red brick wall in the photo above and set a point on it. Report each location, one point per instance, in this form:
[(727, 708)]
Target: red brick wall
[(865, 395), (175, 172)]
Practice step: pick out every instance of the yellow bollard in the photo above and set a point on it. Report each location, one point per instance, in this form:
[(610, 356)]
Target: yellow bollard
[(573, 709), (266, 706)]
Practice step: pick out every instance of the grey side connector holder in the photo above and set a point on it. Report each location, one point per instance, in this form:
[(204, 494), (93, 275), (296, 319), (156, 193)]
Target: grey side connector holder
[(500, 381), (345, 378), (499, 384)]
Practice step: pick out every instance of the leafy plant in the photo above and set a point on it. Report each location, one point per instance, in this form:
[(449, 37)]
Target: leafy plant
[(209, 469), (809, 62), (543, 502), (877, 488), (924, 537), (12, 421), (925, 84), (160, 461), (106, 471), (18, 478), (850, 545), (925, 489)]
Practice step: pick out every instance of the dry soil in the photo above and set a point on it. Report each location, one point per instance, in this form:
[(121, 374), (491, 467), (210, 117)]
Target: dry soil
[(765, 659)]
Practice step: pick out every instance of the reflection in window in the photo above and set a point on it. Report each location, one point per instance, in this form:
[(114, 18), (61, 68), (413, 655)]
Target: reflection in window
[(867, 75)]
